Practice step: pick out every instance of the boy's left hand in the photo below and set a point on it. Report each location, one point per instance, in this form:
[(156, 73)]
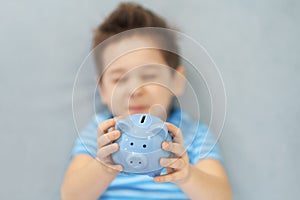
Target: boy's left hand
[(178, 168)]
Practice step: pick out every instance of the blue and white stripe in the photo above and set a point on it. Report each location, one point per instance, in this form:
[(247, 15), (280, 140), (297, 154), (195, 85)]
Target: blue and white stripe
[(199, 142)]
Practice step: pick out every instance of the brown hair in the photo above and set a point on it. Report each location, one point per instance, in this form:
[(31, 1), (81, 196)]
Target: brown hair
[(129, 16)]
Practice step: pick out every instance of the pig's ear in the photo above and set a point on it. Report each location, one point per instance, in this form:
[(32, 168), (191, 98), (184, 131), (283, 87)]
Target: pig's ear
[(123, 126), (158, 129)]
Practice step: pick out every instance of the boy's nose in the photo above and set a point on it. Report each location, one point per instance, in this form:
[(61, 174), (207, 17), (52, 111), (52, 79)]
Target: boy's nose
[(135, 87), (136, 92)]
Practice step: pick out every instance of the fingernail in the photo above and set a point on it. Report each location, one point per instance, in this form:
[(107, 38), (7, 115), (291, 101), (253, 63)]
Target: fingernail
[(165, 145), (157, 179), (163, 162), (118, 117), (119, 168), (115, 146), (116, 133)]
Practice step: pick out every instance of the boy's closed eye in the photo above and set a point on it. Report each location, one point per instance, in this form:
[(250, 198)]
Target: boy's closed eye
[(119, 79), (144, 77), (143, 74), (149, 77)]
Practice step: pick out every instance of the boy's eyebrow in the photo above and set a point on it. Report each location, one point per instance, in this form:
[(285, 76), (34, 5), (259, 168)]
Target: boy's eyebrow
[(114, 71), (144, 67)]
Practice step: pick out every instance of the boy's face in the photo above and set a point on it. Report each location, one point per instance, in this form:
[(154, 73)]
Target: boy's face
[(138, 82)]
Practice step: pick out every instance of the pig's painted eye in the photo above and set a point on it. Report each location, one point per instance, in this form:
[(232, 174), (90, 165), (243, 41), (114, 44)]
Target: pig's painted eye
[(144, 146), (131, 143)]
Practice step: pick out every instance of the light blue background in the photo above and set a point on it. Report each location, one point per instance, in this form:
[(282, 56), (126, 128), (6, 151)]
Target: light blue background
[(254, 43)]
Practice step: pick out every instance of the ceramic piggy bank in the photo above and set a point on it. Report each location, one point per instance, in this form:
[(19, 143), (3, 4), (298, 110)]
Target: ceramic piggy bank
[(140, 144)]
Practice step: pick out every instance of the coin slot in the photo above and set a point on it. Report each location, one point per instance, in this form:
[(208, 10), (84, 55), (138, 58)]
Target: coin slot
[(143, 119)]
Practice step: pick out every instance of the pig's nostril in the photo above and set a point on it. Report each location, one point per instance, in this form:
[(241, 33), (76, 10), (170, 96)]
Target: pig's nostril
[(140, 162), (131, 162)]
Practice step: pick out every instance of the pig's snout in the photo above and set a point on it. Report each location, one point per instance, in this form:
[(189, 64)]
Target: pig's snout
[(136, 161)]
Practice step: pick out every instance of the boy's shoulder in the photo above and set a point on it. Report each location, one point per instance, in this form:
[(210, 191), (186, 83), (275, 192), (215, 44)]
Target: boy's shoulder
[(180, 118), (102, 116)]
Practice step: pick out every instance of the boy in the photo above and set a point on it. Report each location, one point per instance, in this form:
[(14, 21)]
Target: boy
[(141, 81)]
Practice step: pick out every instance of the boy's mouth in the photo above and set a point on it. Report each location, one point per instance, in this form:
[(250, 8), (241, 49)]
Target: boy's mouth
[(138, 109)]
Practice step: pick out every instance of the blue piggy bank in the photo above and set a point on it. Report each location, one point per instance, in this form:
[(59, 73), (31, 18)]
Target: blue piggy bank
[(140, 144)]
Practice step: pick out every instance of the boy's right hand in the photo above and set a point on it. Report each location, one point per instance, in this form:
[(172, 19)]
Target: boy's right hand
[(106, 135)]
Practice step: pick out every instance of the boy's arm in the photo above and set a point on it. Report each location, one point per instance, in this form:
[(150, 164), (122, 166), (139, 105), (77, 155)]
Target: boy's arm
[(86, 178), (204, 180), (207, 180)]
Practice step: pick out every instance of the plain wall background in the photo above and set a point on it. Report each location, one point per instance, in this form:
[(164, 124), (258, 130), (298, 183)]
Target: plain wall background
[(254, 43)]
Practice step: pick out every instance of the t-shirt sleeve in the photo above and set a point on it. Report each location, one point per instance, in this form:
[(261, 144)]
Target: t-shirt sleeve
[(86, 142), (204, 146)]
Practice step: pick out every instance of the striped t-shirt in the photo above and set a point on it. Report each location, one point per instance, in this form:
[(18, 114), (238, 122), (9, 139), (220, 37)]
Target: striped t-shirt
[(200, 144)]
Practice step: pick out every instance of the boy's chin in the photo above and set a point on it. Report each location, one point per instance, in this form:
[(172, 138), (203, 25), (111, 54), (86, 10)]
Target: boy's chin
[(138, 112), (129, 113), (161, 113)]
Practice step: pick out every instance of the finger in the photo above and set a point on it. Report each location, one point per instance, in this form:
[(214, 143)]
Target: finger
[(115, 167), (176, 132), (108, 138), (176, 177), (120, 117), (105, 125), (177, 149), (107, 150), (167, 177), (116, 119), (175, 163), (169, 170)]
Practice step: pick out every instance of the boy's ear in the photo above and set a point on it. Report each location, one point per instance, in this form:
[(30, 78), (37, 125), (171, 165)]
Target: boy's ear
[(179, 81)]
